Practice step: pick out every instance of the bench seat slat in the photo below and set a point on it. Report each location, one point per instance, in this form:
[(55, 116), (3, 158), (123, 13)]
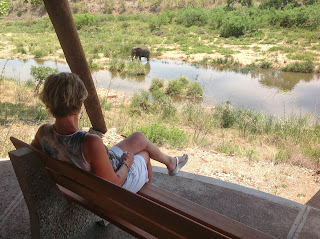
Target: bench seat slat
[(214, 220)]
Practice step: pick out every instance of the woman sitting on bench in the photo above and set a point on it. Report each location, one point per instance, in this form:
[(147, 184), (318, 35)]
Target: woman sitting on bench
[(127, 164)]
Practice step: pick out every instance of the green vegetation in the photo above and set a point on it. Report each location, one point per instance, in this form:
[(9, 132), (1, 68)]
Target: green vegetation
[(181, 87), (134, 67), (165, 121), (40, 73), (161, 134), (219, 33), (306, 67), (4, 7)]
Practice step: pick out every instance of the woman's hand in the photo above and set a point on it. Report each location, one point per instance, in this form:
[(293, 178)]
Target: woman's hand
[(127, 158)]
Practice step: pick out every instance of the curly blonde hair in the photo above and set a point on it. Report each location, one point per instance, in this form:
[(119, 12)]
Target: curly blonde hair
[(63, 94)]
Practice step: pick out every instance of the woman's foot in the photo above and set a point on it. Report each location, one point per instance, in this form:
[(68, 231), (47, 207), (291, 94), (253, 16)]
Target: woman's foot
[(176, 164)]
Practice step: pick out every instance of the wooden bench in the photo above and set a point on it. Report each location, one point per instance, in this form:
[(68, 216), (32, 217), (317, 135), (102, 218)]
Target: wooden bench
[(150, 213)]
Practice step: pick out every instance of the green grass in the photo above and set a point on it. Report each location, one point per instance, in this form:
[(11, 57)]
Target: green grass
[(161, 134), (108, 35), (305, 56), (305, 67), (315, 47), (229, 148), (134, 67)]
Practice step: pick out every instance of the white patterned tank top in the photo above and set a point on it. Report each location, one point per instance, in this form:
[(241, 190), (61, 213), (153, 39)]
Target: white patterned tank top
[(69, 148), (64, 147)]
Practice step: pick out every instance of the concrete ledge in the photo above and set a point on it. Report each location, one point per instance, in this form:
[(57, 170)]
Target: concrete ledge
[(276, 216), (236, 187)]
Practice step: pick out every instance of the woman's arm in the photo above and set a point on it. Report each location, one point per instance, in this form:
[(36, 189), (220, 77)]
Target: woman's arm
[(95, 153)]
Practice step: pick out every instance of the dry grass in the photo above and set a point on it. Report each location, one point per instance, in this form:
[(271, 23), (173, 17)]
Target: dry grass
[(256, 170)]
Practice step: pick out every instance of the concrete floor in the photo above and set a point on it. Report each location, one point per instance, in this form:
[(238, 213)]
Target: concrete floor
[(273, 215)]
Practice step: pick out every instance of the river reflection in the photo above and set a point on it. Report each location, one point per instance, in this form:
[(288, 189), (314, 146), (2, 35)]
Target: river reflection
[(284, 81), (274, 92)]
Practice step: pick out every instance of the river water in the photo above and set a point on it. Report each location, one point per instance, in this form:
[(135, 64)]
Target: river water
[(274, 92)]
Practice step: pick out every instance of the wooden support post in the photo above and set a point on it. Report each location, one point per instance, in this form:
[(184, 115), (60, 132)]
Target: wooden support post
[(61, 18)]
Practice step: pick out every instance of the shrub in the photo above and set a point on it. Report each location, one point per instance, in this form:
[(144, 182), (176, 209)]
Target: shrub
[(229, 148), (4, 7), (30, 84), (41, 73), (282, 156), (312, 152), (157, 94), (93, 64), (21, 50), (305, 67), (216, 16), (82, 20), (135, 67), (105, 105), (265, 65), (108, 6), (176, 86), (160, 134), (235, 26), (39, 53), (314, 15), (200, 119), (163, 104), (117, 65), (156, 83), (140, 102), (225, 115), (192, 17), (170, 15), (194, 90), (157, 21)]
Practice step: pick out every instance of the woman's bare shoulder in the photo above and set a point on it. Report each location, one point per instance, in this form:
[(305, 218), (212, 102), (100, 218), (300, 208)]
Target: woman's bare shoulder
[(92, 139), (36, 141)]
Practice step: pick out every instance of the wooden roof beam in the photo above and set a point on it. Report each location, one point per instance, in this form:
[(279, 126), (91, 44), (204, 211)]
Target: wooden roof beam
[(61, 18)]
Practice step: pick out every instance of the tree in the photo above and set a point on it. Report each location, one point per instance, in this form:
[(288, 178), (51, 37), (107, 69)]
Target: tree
[(41, 73)]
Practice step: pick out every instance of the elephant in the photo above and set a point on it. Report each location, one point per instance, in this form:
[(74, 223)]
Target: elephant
[(141, 51)]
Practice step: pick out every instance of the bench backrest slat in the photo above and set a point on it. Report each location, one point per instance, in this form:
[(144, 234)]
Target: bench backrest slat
[(209, 218)]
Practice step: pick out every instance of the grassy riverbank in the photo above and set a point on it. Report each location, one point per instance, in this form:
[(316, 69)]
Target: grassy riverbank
[(239, 132), (286, 38)]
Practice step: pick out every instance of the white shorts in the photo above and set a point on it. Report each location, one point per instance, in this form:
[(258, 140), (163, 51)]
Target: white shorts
[(138, 173)]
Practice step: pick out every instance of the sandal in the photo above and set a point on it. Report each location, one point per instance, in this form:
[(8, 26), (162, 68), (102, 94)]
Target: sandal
[(178, 166)]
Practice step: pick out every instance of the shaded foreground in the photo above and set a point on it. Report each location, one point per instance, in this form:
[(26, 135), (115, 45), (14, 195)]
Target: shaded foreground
[(273, 215)]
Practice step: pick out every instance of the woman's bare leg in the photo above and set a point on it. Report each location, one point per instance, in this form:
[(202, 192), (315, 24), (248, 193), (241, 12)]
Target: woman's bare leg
[(137, 142)]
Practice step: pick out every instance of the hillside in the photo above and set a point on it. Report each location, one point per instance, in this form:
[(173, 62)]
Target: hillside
[(19, 9)]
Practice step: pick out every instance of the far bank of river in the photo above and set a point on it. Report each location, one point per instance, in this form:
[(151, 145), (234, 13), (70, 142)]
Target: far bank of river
[(274, 92)]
